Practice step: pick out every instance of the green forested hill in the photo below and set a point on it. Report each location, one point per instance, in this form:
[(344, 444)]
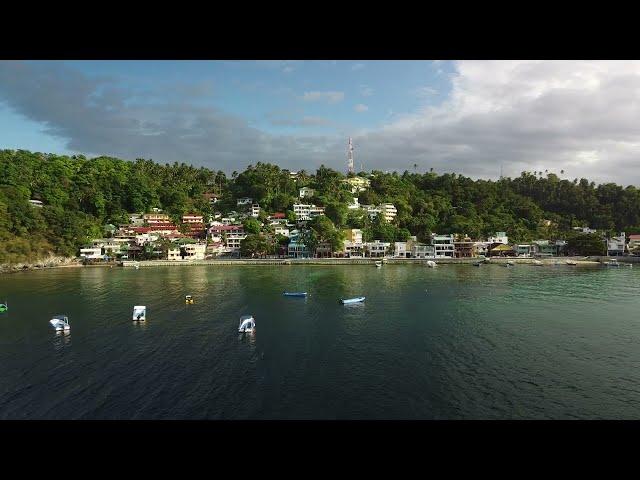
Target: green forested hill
[(81, 195)]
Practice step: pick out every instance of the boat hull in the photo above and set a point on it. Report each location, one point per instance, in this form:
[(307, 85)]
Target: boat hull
[(347, 301), (295, 294)]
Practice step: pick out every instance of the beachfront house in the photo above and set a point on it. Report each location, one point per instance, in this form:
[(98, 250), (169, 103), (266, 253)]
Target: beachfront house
[(616, 245), (296, 247), (525, 250), (189, 251), (376, 248), (501, 250), (444, 245), (400, 250), (634, 243), (91, 253), (422, 250), (465, 248)]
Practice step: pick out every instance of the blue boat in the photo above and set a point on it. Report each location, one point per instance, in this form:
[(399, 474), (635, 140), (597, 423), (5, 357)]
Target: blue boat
[(295, 294), (346, 301)]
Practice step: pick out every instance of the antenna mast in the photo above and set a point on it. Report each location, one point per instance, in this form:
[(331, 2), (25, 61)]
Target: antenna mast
[(350, 156)]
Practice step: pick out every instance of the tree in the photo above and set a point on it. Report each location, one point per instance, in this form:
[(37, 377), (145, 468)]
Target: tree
[(251, 225), (254, 245)]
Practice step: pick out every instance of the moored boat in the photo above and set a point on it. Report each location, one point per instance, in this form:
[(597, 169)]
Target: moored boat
[(431, 264), (612, 263), (188, 299), (139, 313), (346, 301), (378, 264), (537, 263), (247, 324), (571, 262), (294, 294), (60, 322)]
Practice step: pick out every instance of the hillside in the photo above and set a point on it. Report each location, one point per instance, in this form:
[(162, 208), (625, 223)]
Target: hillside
[(81, 196)]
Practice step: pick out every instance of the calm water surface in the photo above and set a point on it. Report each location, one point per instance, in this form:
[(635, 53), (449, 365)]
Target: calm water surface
[(456, 342)]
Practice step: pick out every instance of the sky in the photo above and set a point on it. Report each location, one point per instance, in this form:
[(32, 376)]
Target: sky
[(475, 118)]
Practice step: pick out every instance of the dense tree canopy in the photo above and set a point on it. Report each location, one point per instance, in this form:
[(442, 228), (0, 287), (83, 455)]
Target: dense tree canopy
[(80, 196)]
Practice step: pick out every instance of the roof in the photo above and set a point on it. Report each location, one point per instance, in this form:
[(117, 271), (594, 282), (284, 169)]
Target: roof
[(278, 215), (634, 237), (226, 227), (501, 248)]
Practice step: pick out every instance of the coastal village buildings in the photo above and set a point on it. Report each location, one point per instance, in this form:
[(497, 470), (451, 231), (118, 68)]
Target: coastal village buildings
[(155, 218), (616, 245), (244, 201), (304, 212), (634, 242), (255, 210), (189, 251), (358, 184), (91, 253), (443, 246), (307, 192)]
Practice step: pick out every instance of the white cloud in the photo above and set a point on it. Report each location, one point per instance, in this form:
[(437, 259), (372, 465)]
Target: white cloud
[(426, 92), (331, 97), (361, 108)]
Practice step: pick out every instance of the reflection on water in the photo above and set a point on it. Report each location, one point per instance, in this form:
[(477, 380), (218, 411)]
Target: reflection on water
[(452, 342)]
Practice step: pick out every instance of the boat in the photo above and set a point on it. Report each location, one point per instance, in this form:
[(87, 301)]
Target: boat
[(431, 264), (4, 307), (510, 262), (139, 313), (188, 299), (378, 264), (60, 322), (571, 262), (537, 263), (247, 324), (294, 294), (477, 264), (612, 263), (346, 301)]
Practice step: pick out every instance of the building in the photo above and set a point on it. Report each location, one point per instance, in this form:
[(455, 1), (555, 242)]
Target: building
[(501, 237), (353, 249), (525, 250), (144, 238), (585, 230), (212, 198), (297, 248), (108, 245), (305, 212), (218, 232), (355, 205), (634, 242), (188, 251), (357, 184), (324, 250), (400, 250), (501, 250), (444, 245), (36, 203), (255, 210), (306, 192), (421, 250), (244, 201), (91, 253), (353, 235), (465, 249), (616, 245), (155, 218), (376, 248), (135, 219), (192, 218), (389, 211), (282, 231), (482, 248)]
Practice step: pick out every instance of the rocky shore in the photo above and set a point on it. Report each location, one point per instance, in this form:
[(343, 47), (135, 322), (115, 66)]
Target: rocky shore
[(49, 262)]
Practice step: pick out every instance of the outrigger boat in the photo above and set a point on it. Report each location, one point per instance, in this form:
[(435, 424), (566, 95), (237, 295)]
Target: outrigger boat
[(346, 301), (139, 313), (247, 324), (294, 294), (60, 322)]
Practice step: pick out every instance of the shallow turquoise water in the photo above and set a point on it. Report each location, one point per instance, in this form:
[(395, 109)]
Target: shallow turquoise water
[(456, 342)]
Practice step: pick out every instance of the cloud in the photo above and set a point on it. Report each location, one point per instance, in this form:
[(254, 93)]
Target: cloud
[(361, 108), (330, 97), (306, 121), (426, 92), (100, 117), (580, 116), (366, 91), (357, 66), (577, 116)]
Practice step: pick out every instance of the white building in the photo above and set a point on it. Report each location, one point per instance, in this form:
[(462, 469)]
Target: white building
[(307, 192), (585, 230), (355, 205), (244, 201), (192, 218), (389, 211), (282, 231), (377, 248), (358, 184), (143, 238), (482, 248), (255, 210), (400, 250), (192, 251), (135, 219), (443, 245), (93, 252), (420, 250), (35, 203), (616, 245), (501, 237), (153, 218), (305, 212)]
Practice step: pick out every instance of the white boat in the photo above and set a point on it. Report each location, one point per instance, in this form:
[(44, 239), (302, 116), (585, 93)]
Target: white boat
[(346, 301), (431, 264), (537, 262), (571, 262), (612, 263), (510, 262), (139, 313), (60, 322), (247, 324), (378, 264)]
